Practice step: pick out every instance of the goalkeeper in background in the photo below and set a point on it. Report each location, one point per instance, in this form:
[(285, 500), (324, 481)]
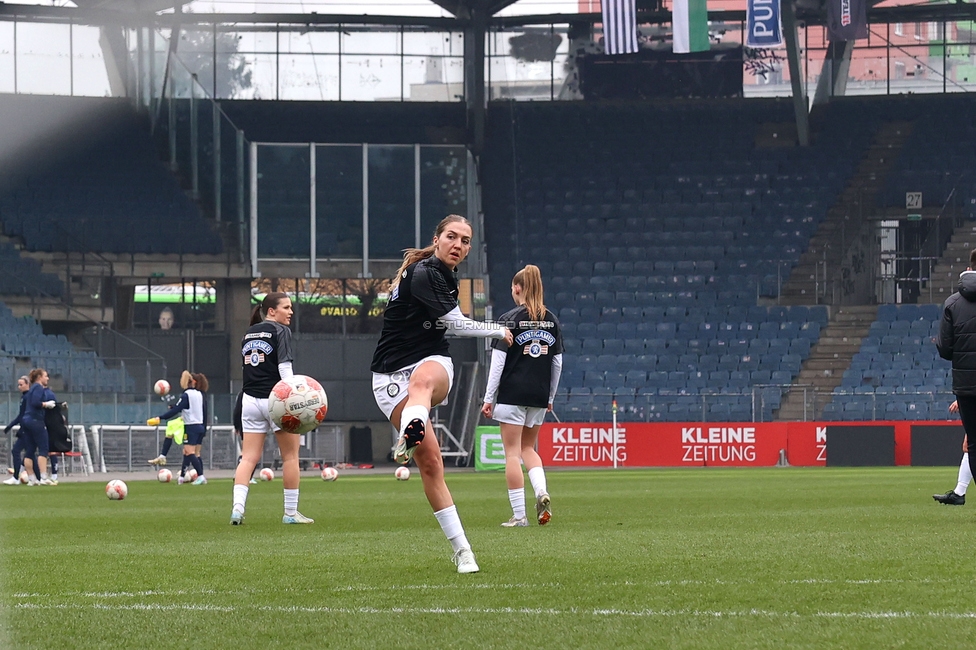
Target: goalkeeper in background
[(192, 408)]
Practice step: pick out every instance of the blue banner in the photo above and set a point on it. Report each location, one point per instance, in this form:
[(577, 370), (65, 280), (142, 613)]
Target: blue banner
[(764, 27)]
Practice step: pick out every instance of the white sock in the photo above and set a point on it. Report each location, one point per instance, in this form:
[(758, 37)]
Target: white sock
[(517, 499), (54, 477), (451, 525), (240, 497), (965, 476), (537, 476), (291, 502), (410, 413)]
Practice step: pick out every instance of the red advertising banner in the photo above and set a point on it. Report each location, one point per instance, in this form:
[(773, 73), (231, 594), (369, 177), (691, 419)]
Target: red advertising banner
[(691, 444), (678, 444), (806, 444)]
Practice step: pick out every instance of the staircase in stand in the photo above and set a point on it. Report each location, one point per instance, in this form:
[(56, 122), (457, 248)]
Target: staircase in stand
[(845, 219), (824, 369), (954, 260)]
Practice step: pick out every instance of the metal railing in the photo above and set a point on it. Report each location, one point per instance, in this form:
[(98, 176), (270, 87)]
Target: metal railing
[(112, 447), (759, 404)]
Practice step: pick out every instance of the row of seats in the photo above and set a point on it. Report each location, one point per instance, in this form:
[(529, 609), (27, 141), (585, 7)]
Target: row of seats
[(24, 345), (621, 212), (98, 188), (896, 373)]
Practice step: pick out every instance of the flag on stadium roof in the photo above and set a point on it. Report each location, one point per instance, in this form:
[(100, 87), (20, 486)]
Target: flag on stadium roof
[(689, 20), (847, 20), (619, 26)]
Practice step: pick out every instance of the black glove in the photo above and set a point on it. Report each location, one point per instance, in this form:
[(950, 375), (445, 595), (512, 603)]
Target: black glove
[(7, 429)]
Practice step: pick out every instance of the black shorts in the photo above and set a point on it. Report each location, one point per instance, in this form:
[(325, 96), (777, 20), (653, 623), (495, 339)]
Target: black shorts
[(195, 434)]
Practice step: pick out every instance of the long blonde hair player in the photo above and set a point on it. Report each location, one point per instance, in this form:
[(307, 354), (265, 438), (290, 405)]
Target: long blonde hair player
[(267, 358), (412, 367), (191, 409), (522, 380)]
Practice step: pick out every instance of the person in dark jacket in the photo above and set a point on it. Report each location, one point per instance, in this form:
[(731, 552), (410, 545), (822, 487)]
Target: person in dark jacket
[(957, 343), (39, 397), (30, 463)]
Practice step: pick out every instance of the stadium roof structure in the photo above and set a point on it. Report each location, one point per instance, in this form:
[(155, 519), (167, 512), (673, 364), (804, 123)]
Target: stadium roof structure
[(477, 17), (462, 12)]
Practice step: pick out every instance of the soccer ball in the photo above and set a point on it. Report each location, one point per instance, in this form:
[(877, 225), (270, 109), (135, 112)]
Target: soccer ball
[(330, 474), (116, 490), (164, 475), (267, 474), (402, 473), (24, 477), (161, 387), (297, 404), (190, 475)]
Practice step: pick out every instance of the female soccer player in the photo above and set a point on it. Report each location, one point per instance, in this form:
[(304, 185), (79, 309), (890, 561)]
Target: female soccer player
[(412, 368), (267, 357), (23, 384), (39, 397), (192, 409), (523, 380)]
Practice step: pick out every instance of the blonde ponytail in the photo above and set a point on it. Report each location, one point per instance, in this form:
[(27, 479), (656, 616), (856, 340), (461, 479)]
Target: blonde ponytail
[(530, 280)]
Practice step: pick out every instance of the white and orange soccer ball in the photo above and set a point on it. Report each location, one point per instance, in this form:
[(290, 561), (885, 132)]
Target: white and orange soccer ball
[(164, 475), (190, 475), (330, 474), (402, 473), (24, 477), (116, 490), (298, 404), (161, 387), (267, 474)]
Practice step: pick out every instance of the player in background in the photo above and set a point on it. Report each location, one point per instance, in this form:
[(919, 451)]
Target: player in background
[(957, 496), (412, 367), (239, 430), (522, 383), (30, 463), (175, 432), (39, 397), (58, 436), (192, 409), (267, 358), (957, 343)]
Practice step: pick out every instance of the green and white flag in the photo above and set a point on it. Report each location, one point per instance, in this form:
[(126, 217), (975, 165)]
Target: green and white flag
[(689, 20)]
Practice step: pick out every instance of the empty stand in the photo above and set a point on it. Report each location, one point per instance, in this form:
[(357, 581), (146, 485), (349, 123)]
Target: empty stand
[(897, 373), (23, 345), (92, 182), (673, 251)]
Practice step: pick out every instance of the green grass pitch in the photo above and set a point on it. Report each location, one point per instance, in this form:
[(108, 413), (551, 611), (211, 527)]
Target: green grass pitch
[(704, 558)]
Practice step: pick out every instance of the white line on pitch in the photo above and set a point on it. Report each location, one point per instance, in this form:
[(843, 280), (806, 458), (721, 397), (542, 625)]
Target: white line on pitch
[(456, 587), (642, 613)]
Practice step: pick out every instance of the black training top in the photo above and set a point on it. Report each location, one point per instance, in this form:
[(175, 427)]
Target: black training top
[(427, 290), (263, 347), (527, 375)]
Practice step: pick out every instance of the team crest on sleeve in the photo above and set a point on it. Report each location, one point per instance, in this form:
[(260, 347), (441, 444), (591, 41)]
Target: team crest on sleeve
[(538, 342), (254, 352)]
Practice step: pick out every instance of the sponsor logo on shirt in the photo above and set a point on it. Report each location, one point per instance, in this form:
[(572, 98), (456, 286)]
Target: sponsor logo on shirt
[(538, 342), (535, 324), (540, 335), (254, 352)]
